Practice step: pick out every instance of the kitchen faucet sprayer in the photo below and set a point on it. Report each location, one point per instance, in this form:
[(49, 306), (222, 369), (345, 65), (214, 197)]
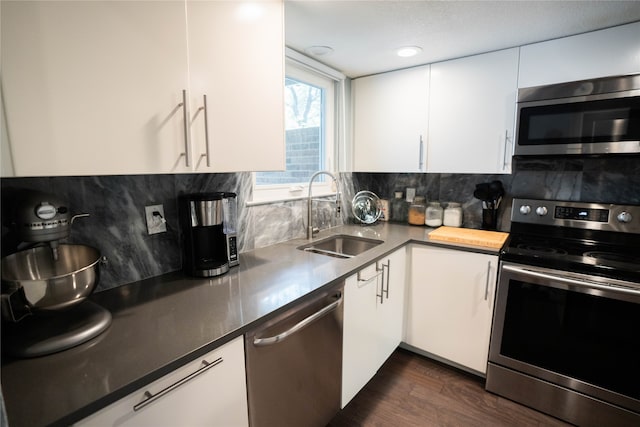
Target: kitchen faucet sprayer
[(311, 230)]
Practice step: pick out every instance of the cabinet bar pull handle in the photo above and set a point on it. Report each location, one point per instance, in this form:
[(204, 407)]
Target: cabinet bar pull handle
[(504, 153), (185, 117), (421, 154), (206, 154), (486, 287), (383, 292), (260, 342), (363, 281), (388, 267), (150, 397)]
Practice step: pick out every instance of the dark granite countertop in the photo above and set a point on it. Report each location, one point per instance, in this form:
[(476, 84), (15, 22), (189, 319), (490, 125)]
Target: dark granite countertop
[(162, 323)]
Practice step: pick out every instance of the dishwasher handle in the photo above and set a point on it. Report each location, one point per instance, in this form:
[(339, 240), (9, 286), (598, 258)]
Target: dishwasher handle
[(260, 342)]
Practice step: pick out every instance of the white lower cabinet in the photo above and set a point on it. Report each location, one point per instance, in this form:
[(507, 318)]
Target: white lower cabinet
[(450, 304), (210, 391), (373, 320)]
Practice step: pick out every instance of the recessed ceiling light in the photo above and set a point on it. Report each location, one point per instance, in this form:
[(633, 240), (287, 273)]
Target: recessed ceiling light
[(318, 50), (408, 51)]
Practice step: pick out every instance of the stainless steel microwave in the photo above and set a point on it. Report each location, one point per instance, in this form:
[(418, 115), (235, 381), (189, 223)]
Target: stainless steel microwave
[(587, 117)]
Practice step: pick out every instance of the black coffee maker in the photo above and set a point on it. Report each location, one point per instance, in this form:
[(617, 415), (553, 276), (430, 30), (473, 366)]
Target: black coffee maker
[(209, 238)]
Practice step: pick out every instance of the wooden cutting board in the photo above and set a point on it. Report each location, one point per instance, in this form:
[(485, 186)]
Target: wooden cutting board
[(469, 236)]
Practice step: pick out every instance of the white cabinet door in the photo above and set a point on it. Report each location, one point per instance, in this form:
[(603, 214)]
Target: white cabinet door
[(472, 113), (390, 307), (451, 298), (359, 331), (373, 320), (609, 52), (236, 59), (210, 391), (96, 88), (93, 88), (390, 121)]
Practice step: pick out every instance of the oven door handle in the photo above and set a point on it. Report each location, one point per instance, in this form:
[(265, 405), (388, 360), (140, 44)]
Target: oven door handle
[(574, 282)]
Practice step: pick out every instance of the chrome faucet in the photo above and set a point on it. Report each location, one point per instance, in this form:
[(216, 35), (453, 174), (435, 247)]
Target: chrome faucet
[(311, 230)]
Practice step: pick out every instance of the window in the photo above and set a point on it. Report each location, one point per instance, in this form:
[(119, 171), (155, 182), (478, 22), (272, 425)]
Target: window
[(310, 116)]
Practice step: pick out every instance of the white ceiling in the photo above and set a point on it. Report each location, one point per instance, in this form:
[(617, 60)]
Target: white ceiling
[(365, 34)]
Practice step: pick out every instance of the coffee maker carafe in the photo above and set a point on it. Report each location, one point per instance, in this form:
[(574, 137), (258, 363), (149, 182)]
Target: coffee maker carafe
[(208, 223)]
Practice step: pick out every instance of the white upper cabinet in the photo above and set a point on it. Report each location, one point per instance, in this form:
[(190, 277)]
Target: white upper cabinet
[(390, 121), (236, 59), (96, 88), (609, 52), (472, 113), (93, 88)]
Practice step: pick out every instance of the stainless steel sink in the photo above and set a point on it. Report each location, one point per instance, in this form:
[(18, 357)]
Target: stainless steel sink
[(341, 246)]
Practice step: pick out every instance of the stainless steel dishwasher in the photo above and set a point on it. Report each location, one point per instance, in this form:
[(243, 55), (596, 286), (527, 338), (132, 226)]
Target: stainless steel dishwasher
[(294, 364)]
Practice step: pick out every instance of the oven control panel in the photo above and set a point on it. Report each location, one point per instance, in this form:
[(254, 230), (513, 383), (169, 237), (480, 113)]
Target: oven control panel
[(595, 216), (582, 214)]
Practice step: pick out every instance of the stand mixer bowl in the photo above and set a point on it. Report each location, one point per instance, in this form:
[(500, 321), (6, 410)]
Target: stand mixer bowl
[(33, 280)]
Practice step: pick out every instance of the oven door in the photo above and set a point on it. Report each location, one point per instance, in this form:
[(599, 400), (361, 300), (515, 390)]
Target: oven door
[(575, 331)]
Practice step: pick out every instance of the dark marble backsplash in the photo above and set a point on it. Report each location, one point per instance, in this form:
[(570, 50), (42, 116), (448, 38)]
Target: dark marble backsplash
[(117, 226), (598, 179)]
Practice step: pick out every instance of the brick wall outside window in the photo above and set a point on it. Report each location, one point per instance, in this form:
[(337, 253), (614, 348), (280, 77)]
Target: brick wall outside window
[(304, 157)]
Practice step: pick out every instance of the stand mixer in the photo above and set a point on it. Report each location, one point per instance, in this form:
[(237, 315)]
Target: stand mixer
[(45, 284)]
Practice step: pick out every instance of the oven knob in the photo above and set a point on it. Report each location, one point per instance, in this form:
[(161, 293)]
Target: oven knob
[(541, 210), (525, 209), (624, 217)]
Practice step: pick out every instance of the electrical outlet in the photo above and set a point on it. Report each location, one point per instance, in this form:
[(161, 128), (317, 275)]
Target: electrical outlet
[(155, 219)]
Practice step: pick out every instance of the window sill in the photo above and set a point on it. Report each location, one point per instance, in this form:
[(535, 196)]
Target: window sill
[(316, 195)]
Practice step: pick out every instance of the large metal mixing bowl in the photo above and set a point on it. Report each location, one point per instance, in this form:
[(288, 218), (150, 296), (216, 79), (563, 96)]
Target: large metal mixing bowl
[(47, 283)]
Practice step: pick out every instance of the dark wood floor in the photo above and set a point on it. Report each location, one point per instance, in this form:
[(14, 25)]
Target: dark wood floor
[(411, 390)]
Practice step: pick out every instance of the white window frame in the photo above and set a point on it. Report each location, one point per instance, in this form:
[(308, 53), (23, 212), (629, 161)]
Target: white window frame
[(305, 69)]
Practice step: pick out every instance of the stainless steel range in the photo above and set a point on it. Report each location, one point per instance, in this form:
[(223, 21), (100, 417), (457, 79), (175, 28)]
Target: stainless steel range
[(566, 332)]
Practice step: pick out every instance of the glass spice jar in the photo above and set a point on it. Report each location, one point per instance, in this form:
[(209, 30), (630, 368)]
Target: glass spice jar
[(399, 208), (453, 215), (433, 215), (417, 211)]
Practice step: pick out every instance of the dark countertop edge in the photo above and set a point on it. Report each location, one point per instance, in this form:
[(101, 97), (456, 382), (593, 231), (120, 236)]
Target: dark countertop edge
[(171, 366), (456, 246)]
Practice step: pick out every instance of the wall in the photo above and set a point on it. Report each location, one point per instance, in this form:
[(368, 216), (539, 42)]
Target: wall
[(116, 204)]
